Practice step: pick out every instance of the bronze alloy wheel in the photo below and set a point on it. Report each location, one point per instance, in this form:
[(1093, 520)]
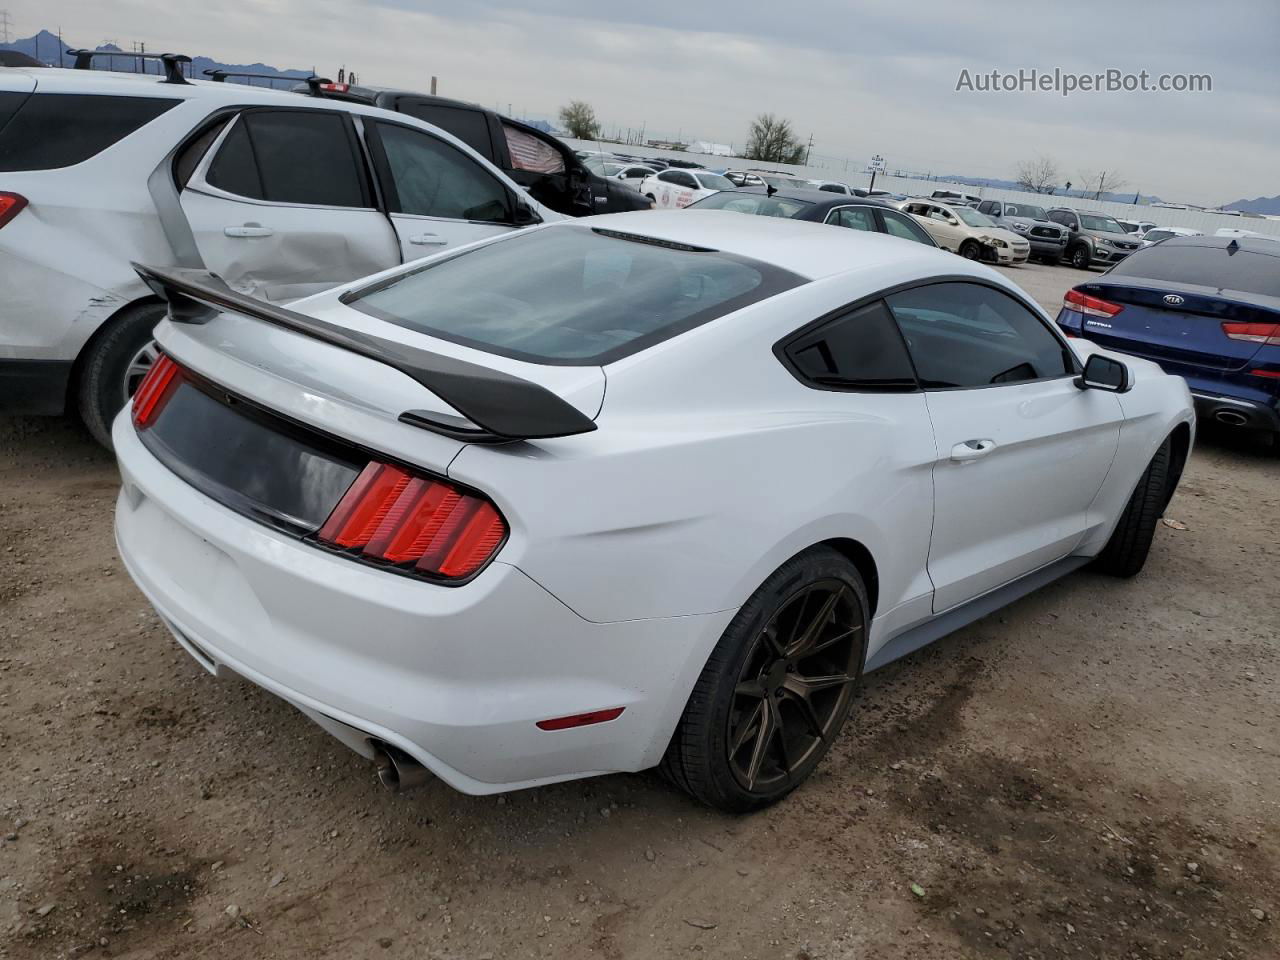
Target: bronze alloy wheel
[(795, 686)]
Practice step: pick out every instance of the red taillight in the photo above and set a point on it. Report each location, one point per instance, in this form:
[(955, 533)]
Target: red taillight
[(1274, 374), (390, 514), (1093, 306), (1266, 334), (336, 87), (156, 387), (11, 205), (581, 719)]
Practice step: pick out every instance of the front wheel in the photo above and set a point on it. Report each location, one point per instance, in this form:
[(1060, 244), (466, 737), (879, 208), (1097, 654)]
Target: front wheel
[(971, 250), (777, 689), (114, 364), (1126, 552), (1080, 257)]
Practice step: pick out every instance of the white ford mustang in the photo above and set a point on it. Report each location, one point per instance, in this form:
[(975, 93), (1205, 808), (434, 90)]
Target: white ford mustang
[(648, 489)]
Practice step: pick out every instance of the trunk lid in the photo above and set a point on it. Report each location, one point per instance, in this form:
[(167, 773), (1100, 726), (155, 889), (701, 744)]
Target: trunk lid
[(1187, 332)]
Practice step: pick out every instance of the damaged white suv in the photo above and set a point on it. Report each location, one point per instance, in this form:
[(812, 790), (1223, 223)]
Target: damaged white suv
[(281, 194)]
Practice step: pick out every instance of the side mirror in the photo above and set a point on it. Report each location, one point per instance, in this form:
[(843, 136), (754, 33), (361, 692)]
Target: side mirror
[(524, 215), (1104, 373)]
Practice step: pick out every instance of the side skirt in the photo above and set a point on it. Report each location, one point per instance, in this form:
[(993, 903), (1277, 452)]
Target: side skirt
[(949, 621)]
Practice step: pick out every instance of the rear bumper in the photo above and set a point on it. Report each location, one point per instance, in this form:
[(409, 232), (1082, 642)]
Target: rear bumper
[(456, 677), (33, 387), (1248, 414)]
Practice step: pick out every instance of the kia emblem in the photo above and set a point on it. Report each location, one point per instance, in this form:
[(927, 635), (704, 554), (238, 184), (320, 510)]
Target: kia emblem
[(1173, 300)]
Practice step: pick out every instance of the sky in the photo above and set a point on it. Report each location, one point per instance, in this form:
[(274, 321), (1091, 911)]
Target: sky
[(876, 77)]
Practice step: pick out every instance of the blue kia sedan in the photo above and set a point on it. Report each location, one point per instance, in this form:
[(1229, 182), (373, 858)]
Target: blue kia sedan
[(1204, 308)]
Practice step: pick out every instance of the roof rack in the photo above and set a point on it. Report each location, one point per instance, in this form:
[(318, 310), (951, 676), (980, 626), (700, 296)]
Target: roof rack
[(220, 76), (172, 61)]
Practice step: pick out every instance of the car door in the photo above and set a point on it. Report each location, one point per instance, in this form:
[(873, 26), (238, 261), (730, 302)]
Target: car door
[(931, 225), (281, 205), (900, 225), (945, 227), (436, 195), (1021, 450)]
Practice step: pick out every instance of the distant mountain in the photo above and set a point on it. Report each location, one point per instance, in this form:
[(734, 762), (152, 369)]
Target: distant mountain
[(45, 47), (1256, 205)]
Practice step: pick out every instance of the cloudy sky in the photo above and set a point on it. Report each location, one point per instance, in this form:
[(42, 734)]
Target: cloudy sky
[(873, 77)]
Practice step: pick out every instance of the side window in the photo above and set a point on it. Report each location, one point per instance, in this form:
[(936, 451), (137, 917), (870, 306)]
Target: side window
[(895, 224), (46, 131), (686, 180), (532, 153), (831, 188), (186, 162), (669, 176), (430, 178), (968, 335), (1059, 216), (986, 207), (862, 350), (291, 156), (857, 218), (469, 126)]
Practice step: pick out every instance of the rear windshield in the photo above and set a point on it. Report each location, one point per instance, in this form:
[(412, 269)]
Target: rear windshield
[(1173, 262), (54, 130), (571, 295), (756, 203)]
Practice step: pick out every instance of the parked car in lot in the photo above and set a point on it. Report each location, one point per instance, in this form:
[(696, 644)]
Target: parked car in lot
[(1206, 309), (281, 195), (1048, 239), (1156, 234), (855, 213), (545, 166), (951, 196), (630, 174), (1138, 228), (410, 507), (1093, 238), (679, 188), (967, 232)]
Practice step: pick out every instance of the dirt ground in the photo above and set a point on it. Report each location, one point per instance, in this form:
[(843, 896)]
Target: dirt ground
[(1093, 772)]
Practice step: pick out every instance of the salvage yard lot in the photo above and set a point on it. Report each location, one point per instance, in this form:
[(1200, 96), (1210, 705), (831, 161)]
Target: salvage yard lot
[(1092, 772)]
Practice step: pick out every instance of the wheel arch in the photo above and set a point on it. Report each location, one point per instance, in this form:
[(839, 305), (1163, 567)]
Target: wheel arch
[(857, 554), (1180, 450), (86, 348)]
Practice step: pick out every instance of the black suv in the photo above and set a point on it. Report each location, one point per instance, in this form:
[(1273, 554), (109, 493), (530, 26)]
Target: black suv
[(551, 172)]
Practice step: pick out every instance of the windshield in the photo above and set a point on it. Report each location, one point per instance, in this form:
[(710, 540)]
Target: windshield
[(713, 181), (973, 218), (1026, 210), (571, 294), (753, 203), (783, 182), (1091, 221), (611, 169)]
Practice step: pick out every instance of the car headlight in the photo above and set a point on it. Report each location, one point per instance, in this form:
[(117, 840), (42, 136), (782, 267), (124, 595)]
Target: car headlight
[(1104, 241), (1021, 227), (993, 242)]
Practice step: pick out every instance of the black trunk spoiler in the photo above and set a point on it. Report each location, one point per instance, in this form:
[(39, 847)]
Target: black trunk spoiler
[(495, 406)]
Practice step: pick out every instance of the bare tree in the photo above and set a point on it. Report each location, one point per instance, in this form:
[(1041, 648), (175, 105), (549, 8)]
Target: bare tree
[(580, 120), (1039, 175), (773, 139), (1101, 182)]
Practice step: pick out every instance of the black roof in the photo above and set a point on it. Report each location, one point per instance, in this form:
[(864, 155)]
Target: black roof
[(820, 202)]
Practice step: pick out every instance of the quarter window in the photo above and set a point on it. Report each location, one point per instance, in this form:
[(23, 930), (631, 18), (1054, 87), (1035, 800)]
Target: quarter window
[(291, 156), (969, 335), (862, 350), (429, 178), (51, 130)]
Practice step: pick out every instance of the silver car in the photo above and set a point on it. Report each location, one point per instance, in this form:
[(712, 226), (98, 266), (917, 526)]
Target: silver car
[(1048, 240)]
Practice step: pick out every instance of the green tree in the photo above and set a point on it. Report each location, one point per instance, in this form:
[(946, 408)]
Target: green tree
[(579, 119), (773, 139)]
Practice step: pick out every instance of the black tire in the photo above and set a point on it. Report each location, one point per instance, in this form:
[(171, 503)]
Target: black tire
[(1080, 256), (699, 759), (971, 250), (104, 387), (1126, 551), (1053, 261)]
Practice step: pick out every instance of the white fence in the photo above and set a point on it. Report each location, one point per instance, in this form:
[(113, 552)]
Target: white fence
[(1195, 219)]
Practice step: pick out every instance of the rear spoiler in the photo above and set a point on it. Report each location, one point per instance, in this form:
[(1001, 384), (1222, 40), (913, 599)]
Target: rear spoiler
[(496, 406)]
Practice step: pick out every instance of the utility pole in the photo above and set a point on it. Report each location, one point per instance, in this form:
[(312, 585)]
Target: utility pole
[(433, 86), (5, 24), (807, 149)]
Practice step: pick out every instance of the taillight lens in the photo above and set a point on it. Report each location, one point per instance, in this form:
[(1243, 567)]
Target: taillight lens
[(425, 525), (11, 204), (156, 388), (336, 87), (1093, 306), (1267, 334)]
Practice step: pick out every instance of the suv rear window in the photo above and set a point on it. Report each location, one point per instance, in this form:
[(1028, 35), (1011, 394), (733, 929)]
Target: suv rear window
[(54, 130), (1172, 262), (571, 295)]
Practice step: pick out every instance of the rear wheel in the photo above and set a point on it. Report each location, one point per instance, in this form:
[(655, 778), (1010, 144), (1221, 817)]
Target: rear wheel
[(1126, 552), (1080, 257), (114, 364), (777, 688), (971, 250)]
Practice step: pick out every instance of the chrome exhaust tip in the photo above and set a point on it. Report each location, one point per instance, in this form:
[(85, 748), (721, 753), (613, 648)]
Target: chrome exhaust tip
[(1231, 417), (397, 771)]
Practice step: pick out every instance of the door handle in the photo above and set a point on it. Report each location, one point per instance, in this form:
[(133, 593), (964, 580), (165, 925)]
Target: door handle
[(972, 450), (428, 239), (248, 230)]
